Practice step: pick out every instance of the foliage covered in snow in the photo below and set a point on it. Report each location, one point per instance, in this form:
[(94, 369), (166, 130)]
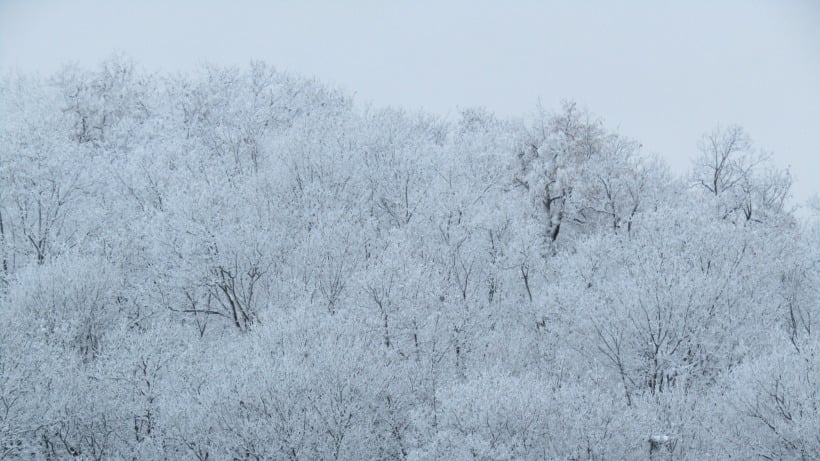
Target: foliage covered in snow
[(245, 264)]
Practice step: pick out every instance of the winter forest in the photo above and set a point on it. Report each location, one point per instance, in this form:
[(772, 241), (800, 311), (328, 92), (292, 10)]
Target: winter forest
[(242, 264)]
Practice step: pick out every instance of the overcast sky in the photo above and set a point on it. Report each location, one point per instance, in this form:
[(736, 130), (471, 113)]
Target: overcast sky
[(662, 72)]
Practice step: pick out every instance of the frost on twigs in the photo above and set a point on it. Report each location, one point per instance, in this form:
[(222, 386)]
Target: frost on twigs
[(244, 264)]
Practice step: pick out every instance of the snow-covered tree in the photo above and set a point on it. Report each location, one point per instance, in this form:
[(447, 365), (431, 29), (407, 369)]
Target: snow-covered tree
[(246, 264)]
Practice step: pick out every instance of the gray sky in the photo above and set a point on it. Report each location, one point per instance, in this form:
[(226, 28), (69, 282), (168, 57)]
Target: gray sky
[(660, 71)]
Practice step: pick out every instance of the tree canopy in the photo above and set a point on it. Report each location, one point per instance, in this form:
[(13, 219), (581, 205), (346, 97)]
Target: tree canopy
[(246, 264)]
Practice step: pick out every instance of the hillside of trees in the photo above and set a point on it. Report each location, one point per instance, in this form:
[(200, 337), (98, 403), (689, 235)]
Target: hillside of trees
[(241, 264)]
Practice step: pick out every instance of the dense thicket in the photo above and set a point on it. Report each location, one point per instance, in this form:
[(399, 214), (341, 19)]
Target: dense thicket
[(243, 264)]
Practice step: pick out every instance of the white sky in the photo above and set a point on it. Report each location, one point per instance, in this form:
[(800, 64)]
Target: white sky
[(659, 71)]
